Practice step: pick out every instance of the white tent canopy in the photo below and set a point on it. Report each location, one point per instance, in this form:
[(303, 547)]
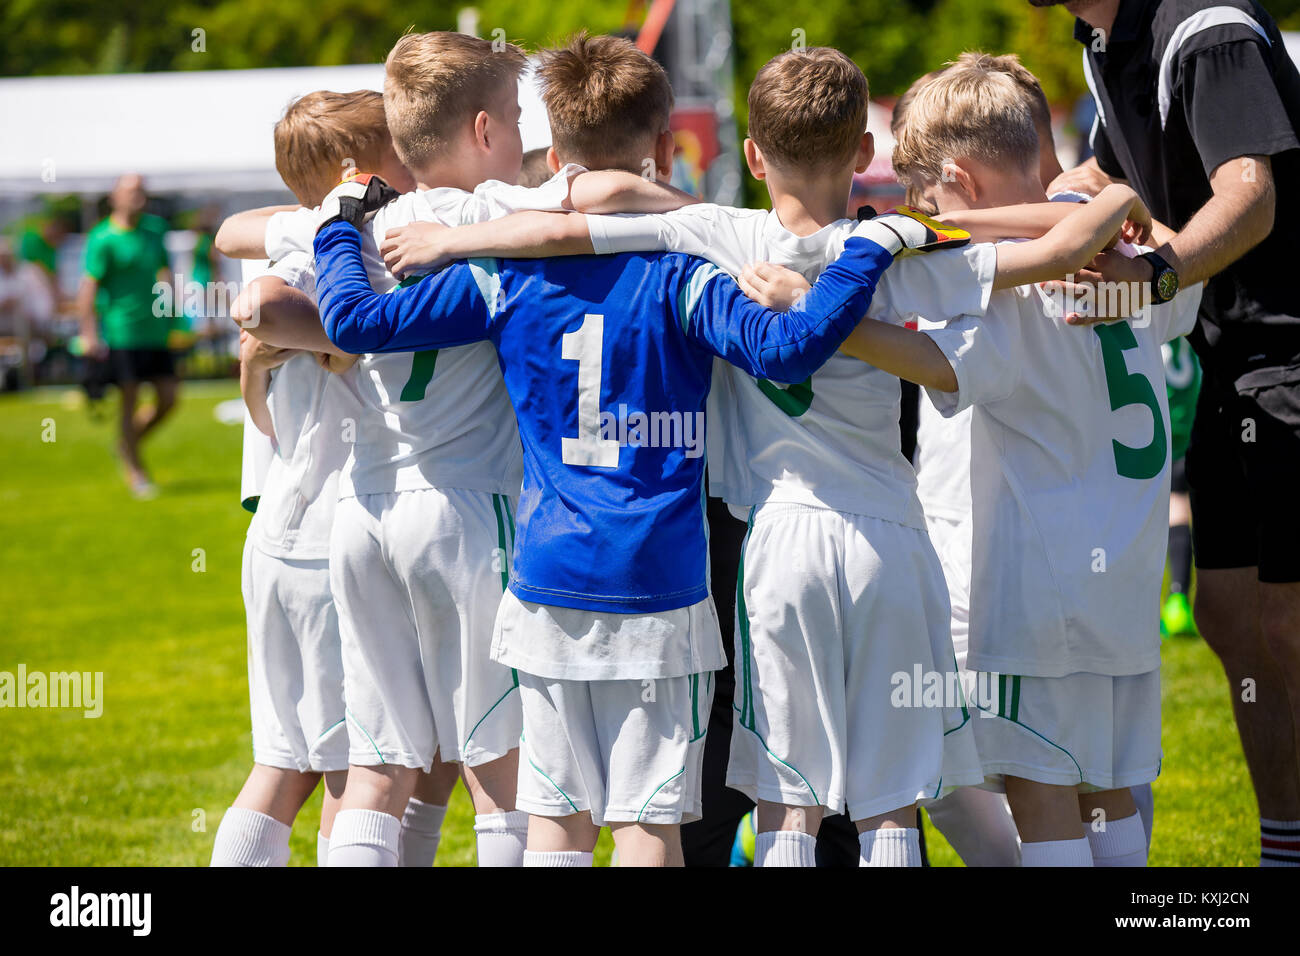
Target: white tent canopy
[(200, 130)]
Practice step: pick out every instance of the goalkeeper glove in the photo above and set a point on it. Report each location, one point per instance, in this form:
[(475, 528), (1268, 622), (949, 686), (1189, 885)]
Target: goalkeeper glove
[(907, 231), (355, 200)]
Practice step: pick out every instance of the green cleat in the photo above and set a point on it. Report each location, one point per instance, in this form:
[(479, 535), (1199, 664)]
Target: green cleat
[(1176, 615)]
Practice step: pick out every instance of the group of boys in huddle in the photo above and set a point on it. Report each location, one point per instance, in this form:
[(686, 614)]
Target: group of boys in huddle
[(480, 552)]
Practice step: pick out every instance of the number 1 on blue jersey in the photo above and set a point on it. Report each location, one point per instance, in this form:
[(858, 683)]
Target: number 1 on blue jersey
[(586, 346)]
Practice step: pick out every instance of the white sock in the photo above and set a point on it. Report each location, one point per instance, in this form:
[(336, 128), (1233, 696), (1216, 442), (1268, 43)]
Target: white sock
[(501, 838), (566, 858), (1279, 842), (1056, 853), (979, 826), (248, 838), (322, 849), (421, 832), (890, 846), (1145, 799), (1122, 843), (785, 848), (364, 838)]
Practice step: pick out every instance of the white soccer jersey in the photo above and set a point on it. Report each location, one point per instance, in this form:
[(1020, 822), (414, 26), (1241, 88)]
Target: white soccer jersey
[(1069, 483), (833, 440), (314, 413), (259, 451), (943, 442), (457, 432)]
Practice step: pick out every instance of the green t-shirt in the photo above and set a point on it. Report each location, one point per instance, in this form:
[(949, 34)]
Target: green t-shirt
[(125, 263), (32, 247)]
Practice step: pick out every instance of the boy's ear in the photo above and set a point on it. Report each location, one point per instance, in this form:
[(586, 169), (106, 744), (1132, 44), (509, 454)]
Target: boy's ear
[(954, 175), (866, 153), (481, 122), (665, 150), (552, 160), (754, 159)]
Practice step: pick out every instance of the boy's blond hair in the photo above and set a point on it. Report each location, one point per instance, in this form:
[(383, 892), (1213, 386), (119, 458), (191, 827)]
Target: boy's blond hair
[(434, 83), (607, 101), (913, 196), (323, 134), (1026, 82), (974, 112), (808, 109), (904, 102)]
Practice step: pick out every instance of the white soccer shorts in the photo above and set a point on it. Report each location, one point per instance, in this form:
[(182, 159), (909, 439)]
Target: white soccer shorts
[(295, 664), (418, 576), (837, 616), (952, 543), (626, 751), (1089, 730)]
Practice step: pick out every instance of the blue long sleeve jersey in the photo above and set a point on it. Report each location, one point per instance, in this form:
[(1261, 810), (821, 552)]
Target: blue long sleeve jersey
[(607, 361)]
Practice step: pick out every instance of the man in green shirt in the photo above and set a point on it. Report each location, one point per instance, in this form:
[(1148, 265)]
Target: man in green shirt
[(123, 319)]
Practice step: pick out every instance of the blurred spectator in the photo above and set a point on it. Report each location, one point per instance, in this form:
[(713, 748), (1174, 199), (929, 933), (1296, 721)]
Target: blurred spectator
[(126, 262), (26, 307)]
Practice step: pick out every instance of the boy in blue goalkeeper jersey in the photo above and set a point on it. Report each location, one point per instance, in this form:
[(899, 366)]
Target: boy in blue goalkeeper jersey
[(607, 361)]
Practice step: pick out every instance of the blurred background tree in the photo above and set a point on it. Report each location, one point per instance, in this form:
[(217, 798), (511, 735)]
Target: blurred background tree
[(893, 40)]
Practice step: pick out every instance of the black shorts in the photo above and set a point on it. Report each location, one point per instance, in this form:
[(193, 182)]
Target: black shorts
[(1242, 466), (140, 365)]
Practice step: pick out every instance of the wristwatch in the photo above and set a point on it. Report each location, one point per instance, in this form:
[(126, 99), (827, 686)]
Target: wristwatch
[(1164, 279)]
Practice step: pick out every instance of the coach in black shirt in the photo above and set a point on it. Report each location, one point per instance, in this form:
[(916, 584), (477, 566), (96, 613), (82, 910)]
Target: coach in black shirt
[(1198, 104)]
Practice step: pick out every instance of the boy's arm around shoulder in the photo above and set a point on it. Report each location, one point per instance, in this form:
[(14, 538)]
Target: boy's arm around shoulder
[(442, 310), (243, 235), (1073, 242), (788, 346), (614, 191), (890, 347), (421, 247)]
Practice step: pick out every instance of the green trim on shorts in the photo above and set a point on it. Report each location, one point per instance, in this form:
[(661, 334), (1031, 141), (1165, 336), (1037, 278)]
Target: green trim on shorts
[(695, 708), (746, 708), (348, 713), (641, 812), (965, 711), (1014, 717), (783, 763), (329, 728), (698, 729), (965, 719), (500, 503), (514, 687), (748, 720), (501, 541), (510, 517), (1009, 703), (548, 779)]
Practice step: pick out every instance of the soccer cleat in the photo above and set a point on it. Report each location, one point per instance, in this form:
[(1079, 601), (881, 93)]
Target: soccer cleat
[(742, 851), (907, 231), (1176, 615), (355, 199)]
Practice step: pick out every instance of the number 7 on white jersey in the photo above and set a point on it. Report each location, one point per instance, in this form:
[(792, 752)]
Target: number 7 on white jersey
[(585, 347)]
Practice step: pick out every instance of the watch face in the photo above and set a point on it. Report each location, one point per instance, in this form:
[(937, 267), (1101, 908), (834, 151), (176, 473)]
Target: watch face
[(1167, 284)]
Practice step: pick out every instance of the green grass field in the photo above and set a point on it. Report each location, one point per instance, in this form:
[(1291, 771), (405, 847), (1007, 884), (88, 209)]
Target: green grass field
[(148, 593)]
